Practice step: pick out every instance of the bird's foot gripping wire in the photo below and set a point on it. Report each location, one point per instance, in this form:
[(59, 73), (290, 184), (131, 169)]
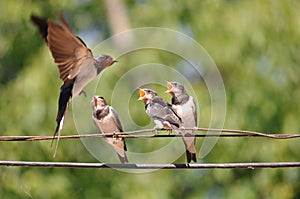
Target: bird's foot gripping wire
[(117, 135), (182, 129), (169, 131), (116, 138), (155, 130), (194, 130)]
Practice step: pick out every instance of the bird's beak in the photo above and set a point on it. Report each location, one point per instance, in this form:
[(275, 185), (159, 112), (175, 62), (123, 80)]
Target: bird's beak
[(97, 102), (112, 62), (142, 94), (94, 101), (169, 86)]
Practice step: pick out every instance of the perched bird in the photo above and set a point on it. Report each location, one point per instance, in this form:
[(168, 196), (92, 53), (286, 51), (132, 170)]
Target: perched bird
[(185, 107), (107, 120), (76, 63), (164, 116), (159, 110)]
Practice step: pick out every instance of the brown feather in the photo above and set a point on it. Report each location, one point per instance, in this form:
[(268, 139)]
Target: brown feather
[(68, 51)]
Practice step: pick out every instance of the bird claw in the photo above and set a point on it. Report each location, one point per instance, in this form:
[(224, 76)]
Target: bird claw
[(83, 92), (155, 130), (194, 129), (169, 131), (116, 135), (182, 129)]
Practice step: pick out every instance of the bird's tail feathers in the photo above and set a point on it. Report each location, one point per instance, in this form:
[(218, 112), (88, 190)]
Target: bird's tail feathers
[(42, 24), (190, 156), (189, 143), (64, 97), (122, 154), (58, 133), (123, 159)]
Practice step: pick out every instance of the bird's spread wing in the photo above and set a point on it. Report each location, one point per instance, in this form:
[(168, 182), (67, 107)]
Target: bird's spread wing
[(42, 25), (68, 50)]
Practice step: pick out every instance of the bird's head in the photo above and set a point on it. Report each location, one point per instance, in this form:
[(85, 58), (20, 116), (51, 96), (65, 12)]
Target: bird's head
[(98, 102), (175, 88), (105, 61), (146, 94)]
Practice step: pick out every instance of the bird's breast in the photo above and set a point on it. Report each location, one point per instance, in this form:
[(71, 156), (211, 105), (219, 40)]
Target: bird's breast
[(86, 74), (159, 123), (107, 124), (186, 112), (178, 110)]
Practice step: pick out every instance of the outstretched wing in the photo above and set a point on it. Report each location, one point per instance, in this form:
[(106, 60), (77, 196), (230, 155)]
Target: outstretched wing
[(68, 50)]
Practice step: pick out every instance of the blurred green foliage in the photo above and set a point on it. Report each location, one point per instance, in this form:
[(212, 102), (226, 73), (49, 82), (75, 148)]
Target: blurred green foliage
[(256, 46)]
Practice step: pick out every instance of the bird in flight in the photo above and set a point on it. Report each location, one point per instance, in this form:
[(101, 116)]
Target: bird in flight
[(76, 63)]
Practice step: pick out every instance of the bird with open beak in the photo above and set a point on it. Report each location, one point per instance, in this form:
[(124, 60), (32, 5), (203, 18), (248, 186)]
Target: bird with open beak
[(165, 117), (185, 107), (107, 121), (76, 63), (159, 110)]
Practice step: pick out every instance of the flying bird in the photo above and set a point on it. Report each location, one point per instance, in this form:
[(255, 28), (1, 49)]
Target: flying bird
[(185, 107), (164, 116), (107, 121), (76, 63)]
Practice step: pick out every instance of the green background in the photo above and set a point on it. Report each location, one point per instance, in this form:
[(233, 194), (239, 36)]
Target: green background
[(256, 46)]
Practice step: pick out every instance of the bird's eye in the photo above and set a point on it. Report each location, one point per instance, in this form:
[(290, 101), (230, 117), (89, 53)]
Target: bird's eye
[(101, 98)]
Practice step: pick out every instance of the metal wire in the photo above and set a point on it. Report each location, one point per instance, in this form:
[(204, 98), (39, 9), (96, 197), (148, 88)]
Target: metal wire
[(206, 132), (138, 134), (151, 166)]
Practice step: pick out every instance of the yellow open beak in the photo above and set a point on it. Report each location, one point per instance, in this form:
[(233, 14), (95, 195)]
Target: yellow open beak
[(142, 94), (169, 86)]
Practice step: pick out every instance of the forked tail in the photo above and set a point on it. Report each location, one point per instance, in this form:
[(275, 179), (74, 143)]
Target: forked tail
[(64, 97)]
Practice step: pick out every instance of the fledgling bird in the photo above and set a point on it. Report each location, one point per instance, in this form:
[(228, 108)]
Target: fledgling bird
[(185, 107), (107, 121), (159, 110), (164, 116), (76, 63)]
